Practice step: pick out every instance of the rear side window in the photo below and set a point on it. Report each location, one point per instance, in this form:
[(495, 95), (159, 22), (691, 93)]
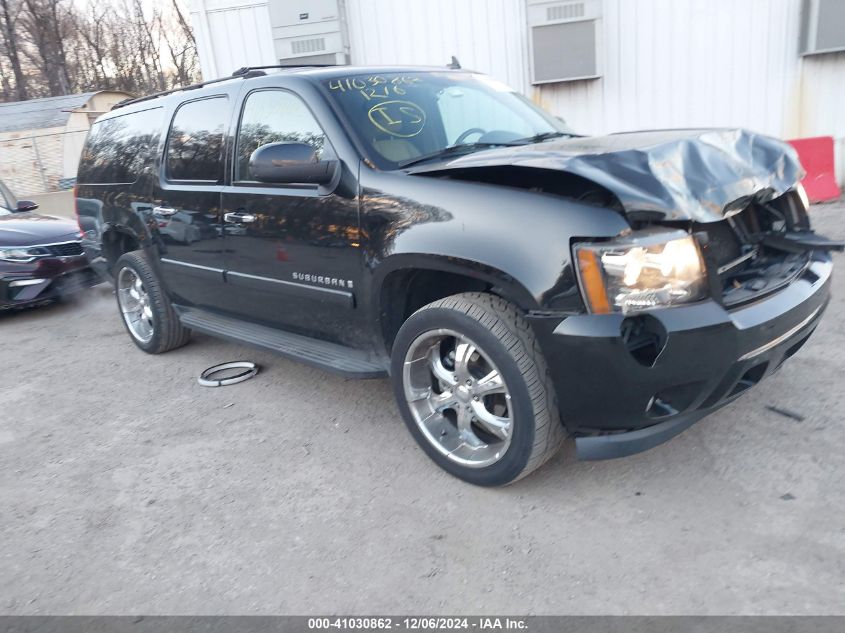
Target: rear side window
[(117, 149), (273, 116), (195, 141)]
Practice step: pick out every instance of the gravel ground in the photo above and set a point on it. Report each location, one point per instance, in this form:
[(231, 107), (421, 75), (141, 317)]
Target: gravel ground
[(127, 488)]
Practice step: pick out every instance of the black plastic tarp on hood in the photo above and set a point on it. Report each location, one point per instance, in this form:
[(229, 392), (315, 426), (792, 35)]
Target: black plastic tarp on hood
[(678, 174)]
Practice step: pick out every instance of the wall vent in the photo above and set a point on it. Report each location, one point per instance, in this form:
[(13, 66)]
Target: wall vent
[(303, 47), (565, 40), (565, 11), (822, 26), (308, 31)]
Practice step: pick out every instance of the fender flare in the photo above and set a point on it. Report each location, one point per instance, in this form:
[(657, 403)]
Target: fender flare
[(500, 283), (506, 286)]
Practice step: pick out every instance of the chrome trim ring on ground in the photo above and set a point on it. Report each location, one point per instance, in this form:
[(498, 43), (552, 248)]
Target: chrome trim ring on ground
[(206, 379)]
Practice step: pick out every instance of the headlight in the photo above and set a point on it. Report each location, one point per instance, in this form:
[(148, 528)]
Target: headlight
[(641, 271), (22, 255)]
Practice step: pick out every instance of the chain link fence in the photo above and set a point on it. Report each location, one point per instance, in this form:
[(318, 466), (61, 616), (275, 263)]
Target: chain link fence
[(33, 163), (41, 166)]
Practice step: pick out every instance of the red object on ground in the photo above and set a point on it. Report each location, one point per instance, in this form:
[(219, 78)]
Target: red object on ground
[(816, 156)]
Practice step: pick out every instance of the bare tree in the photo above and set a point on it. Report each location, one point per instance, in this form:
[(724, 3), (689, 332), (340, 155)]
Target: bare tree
[(5, 83), (44, 27), (182, 47), (54, 47), (9, 10), (187, 31)]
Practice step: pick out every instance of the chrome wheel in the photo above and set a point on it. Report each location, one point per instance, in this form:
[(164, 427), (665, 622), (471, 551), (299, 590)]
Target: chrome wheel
[(135, 305), (458, 398)]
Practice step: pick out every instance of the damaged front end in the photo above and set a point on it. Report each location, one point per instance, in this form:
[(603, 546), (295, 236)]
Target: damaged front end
[(755, 250), (759, 247), (718, 280), (735, 191), (683, 335)]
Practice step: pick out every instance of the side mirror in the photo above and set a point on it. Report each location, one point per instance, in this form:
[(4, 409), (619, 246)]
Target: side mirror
[(26, 205), (288, 163)]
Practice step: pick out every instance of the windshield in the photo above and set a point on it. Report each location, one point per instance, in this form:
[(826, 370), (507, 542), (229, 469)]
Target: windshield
[(404, 117)]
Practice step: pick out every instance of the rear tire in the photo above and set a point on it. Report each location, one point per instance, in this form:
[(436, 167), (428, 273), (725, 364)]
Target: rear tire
[(147, 314), (474, 390)]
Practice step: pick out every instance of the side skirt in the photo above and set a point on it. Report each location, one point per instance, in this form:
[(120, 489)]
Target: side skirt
[(332, 357)]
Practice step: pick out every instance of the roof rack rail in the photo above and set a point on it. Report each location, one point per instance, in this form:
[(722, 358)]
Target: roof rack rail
[(241, 73), (156, 95), (252, 71)]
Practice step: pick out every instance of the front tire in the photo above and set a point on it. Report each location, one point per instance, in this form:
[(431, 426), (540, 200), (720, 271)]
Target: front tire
[(473, 388), (147, 313)]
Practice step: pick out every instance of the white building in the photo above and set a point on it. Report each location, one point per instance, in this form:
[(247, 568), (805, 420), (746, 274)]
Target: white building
[(774, 66), (41, 139)]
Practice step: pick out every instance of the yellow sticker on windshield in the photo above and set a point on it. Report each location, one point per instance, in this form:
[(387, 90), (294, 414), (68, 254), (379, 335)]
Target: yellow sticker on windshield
[(398, 118)]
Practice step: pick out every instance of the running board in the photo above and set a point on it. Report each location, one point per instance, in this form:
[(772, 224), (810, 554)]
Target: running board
[(332, 357)]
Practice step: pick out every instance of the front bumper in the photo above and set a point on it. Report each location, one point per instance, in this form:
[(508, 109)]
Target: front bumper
[(618, 404), (48, 279)]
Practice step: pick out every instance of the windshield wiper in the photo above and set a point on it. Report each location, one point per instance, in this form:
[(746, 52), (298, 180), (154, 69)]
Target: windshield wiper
[(539, 138), (451, 151), (472, 147)]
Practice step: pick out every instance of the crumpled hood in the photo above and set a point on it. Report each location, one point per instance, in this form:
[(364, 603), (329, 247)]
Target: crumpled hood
[(30, 229), (677, 174)]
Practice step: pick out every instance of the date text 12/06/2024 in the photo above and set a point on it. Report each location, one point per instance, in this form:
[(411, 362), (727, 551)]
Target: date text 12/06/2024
[(479, 623)]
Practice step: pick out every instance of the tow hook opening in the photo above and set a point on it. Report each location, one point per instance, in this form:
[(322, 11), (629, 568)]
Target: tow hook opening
[(673, 400), (749, 379), (660, 408), (644, 337), (792, 350)]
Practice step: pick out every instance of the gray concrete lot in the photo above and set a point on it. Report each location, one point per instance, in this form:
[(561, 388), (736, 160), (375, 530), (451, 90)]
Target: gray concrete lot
[(127, 488)]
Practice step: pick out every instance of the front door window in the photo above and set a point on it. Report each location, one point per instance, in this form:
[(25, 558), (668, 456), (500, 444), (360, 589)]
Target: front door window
[(274, 116)]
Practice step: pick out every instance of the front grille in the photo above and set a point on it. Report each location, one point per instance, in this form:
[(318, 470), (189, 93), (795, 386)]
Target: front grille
[(68, 249)]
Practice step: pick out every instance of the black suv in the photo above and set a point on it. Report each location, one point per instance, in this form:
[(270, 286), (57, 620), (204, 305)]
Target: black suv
[(517, 282)]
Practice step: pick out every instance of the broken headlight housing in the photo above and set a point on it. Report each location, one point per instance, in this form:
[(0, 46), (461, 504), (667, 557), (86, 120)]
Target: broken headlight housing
[(802, 195), (642, 270)]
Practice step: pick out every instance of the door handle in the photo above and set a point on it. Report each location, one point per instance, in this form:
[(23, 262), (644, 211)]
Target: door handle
[(239, 217), (166, 211)]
